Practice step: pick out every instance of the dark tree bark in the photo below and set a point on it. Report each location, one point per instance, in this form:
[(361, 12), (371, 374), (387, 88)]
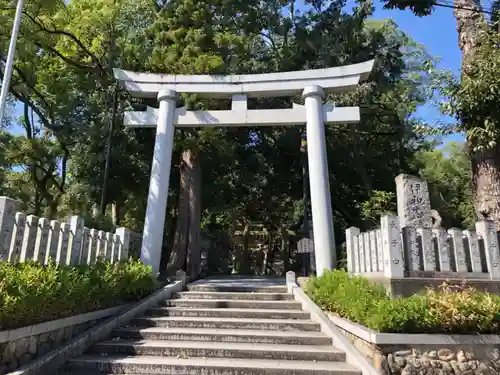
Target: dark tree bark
[(186, 246), (486, 164), (193, 245)]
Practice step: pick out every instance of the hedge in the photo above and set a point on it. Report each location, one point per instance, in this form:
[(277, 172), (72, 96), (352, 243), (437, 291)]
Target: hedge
[(449, 309), (31, 293)]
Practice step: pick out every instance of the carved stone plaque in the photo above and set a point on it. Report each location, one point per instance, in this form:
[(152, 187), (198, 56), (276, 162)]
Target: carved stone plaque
[(414, 204)]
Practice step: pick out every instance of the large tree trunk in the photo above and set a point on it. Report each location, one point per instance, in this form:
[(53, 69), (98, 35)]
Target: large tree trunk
[(179, 247), (285, 254), (186, 246), (485, 165), (486, 184), (193, 245)]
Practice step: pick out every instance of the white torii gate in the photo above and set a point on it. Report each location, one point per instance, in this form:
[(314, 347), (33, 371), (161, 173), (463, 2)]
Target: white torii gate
[(312, 84)]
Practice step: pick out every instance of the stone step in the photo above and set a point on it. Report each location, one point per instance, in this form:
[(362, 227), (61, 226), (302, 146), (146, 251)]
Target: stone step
[(224, 335), (228, 313), (236, 288), (187, 349), (227, 323), (153, 365), (237, 304), (235, 296)]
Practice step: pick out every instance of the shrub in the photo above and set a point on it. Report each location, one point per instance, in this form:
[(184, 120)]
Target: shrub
[(32, 293), (449, 309)]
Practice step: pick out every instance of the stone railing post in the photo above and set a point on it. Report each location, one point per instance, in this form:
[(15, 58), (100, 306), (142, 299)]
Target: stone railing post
[(441, 236), (62, 246), (109, 246), (93, 246), (16, 243), (392, 248), (42, 240), (85, 254), (124, 243), (53, 241), (410, 248), (28, 246), (351, 237), (458, 249), (115, 250), (488, 232), (75, 240), (101, 244), (8, 208), (475, 255)]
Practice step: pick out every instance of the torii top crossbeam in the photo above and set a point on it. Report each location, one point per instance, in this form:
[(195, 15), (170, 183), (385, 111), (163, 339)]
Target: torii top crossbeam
[(338, 79), (312, 84)]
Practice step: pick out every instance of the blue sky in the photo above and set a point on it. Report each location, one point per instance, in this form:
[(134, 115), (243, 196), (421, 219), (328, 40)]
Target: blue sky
[(438, 34)]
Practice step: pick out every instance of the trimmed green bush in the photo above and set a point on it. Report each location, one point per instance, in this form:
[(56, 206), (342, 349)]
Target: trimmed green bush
[(32, 293), (449, 309)]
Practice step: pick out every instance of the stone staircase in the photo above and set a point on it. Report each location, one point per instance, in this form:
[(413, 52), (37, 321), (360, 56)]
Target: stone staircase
[(219, 327)]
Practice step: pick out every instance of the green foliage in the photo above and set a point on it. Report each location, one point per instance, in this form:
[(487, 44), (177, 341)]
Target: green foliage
[(418, 7), (449, 309), (448, 172), (473, 99), (31, 293), (380, 203)]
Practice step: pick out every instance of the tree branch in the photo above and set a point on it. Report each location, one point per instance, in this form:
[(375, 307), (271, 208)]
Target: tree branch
[(24, 77), (64, 58), (69, 35), (27, 122)]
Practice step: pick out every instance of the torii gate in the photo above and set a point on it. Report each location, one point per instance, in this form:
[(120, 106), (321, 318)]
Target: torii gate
[(312, 84)]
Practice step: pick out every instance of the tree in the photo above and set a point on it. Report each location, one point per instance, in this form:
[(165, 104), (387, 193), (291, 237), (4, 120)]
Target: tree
[(478, 51)]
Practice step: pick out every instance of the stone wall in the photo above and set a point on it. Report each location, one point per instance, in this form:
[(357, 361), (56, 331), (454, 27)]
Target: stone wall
[(445, 359), (19, 352)]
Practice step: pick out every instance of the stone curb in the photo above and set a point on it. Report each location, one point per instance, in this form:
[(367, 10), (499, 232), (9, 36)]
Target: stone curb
[(52, 325), (52, 361), (353, 356), (378, 338)]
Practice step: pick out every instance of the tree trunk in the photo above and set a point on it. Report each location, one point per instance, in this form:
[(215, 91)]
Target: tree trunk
[(179, 247), (485, 165), (486, 184), (186, 246), (193, 245), (284, 249), (240, 252)]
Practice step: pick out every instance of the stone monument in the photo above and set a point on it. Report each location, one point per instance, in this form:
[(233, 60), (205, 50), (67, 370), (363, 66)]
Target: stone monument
[(414, 204)]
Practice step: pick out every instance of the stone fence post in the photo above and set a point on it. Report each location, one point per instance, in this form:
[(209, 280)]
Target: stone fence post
[(75, 240), (488, 232), (392, 247), (351, 237), (8, 209), (124, 235)]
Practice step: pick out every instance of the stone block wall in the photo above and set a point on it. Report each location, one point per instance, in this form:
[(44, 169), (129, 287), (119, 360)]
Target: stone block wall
[(19, 352), (468, 358)]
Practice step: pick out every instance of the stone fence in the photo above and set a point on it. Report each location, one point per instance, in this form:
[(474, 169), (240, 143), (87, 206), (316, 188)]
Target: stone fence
[(27, 237), (393, 251)]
